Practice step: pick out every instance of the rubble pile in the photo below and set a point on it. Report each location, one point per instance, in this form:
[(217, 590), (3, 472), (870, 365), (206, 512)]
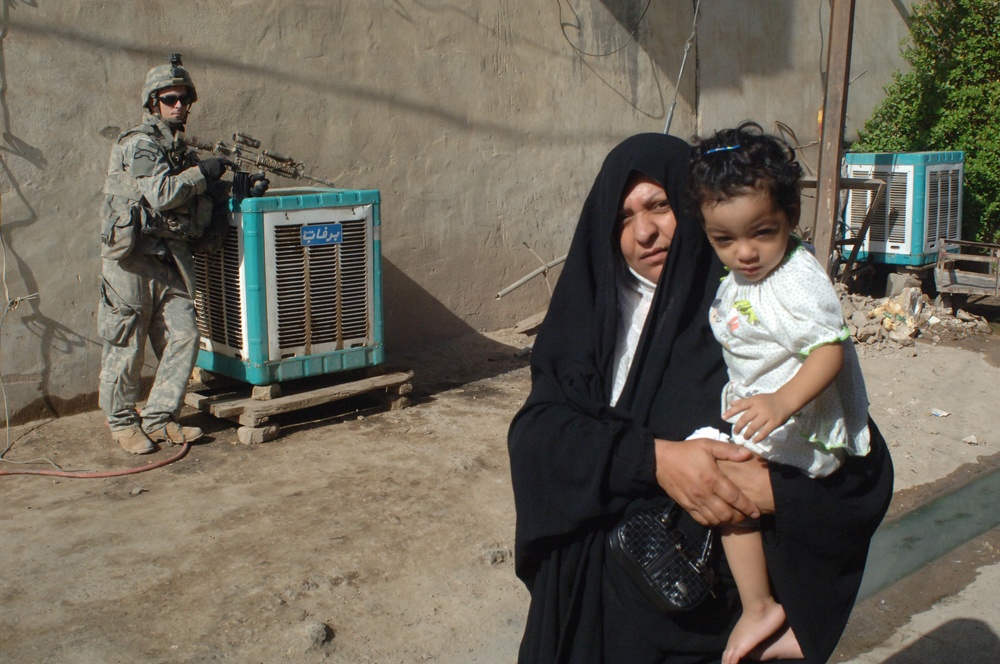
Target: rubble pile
[(899, 320)]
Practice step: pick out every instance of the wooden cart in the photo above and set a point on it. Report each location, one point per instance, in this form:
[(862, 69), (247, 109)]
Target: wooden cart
[(967, 268)]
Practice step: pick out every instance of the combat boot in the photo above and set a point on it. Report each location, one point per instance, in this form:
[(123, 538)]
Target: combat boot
[(174, 434), (133, 440)]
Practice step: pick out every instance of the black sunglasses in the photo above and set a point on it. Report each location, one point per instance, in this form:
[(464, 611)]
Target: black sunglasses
[(171, 100)]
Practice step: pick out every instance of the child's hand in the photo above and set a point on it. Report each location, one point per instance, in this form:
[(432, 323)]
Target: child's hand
[(761, 414)]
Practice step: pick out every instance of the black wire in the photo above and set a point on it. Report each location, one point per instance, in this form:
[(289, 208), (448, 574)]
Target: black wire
[(563, 25)]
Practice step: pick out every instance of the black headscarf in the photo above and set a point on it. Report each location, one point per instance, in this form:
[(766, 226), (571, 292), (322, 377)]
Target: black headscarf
[(577, 463)]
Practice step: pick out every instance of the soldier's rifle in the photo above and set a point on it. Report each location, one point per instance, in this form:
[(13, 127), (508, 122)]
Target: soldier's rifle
[(245, 152)]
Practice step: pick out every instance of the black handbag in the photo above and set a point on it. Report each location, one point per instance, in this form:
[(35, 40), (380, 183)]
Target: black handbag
[(672, 571)]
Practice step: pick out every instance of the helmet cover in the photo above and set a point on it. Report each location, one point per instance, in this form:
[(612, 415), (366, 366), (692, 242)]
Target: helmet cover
[(167, 76)]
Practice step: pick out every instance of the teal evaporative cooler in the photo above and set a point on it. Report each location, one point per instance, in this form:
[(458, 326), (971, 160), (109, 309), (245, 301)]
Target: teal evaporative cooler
[(295, 291), (923, 203)]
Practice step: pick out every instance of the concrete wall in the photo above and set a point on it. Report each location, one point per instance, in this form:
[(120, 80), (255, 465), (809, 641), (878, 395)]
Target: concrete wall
[(482, 123), (766, 61)]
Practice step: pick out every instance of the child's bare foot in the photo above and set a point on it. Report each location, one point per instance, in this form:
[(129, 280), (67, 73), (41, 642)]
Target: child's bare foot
[(781, 645), (757, 623)]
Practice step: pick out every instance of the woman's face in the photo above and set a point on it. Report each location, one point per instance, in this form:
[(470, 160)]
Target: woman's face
[(646, 226)]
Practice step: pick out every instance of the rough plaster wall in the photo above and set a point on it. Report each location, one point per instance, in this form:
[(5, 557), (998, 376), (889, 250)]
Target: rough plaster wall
[(479, 122), (766, 61)]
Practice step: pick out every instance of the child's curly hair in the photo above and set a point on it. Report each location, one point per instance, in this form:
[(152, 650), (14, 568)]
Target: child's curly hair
[(735, 162)]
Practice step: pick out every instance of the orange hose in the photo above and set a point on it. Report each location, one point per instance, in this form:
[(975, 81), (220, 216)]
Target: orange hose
[(107, 473)]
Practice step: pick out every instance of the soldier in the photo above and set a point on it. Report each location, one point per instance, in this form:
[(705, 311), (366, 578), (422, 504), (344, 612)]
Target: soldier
[(158, 208)]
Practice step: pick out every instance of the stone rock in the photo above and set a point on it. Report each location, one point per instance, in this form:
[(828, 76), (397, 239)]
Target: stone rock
[(907, 315), (900, 338), (255, 435), (847, 306), (899, 282), (497, 555), (311, 636), (868, 332)]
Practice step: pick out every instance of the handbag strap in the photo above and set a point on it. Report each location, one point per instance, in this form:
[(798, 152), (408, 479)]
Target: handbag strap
[(706, 549), (671, 513)]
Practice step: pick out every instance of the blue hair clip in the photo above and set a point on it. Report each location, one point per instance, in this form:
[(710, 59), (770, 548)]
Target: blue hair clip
[(723, 149)]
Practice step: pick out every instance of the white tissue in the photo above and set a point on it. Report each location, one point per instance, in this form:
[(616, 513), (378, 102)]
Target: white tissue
[(709, 432)]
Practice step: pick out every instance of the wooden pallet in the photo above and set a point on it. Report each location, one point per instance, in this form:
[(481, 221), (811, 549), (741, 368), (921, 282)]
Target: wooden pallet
[(254, 412)]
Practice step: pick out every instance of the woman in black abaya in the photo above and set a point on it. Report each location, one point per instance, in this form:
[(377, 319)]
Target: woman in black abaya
[(579, 463)]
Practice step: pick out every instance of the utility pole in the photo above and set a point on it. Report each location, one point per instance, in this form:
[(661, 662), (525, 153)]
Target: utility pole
[(838, 70)]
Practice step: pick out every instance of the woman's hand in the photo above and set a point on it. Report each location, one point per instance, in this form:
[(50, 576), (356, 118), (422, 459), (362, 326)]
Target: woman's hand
[(689, 472)]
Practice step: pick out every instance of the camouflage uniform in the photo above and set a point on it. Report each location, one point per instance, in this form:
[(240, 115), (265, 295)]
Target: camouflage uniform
[(155, 207)]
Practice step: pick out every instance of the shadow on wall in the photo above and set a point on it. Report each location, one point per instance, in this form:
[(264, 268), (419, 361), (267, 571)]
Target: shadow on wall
[(54, 338), (755, 37), (960, 640), (420, 334), (635, 19), (423, 335), (728, 31)]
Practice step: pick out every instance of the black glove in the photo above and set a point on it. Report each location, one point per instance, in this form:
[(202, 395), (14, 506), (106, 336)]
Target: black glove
[(258, 184), (213, 168)]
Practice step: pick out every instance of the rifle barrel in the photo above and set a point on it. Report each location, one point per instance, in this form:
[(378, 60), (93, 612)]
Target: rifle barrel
[(265, 160)]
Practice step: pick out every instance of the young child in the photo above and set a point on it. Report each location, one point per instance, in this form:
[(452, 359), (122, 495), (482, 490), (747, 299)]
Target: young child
[(795, 395)]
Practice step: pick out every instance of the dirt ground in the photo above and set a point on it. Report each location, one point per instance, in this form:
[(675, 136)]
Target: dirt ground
[(360, 535)]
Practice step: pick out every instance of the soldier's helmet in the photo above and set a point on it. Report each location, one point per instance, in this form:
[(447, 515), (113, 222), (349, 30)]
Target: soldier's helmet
[(167, 76)]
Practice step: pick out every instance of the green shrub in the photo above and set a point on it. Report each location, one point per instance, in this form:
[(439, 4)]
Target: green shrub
[(949, 100)]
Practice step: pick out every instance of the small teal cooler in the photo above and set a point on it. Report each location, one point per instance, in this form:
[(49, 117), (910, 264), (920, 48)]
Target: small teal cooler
[(923, 203), (295, 291)]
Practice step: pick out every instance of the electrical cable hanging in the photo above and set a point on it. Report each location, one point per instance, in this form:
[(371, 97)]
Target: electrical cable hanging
[(687, 47), (10, 306), (631, 35), (680, 74)]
